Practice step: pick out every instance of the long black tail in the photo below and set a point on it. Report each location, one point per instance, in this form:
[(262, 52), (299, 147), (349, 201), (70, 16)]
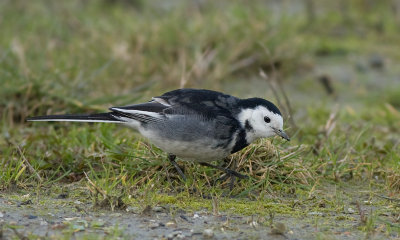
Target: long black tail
[(96, 117)]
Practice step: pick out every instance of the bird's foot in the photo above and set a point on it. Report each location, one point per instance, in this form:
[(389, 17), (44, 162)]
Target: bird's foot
[(229, 173)]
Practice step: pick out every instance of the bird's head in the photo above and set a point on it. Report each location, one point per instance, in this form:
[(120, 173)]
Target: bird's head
[(261, 119)]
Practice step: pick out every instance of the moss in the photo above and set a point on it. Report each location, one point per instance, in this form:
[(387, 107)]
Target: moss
[(343, 218)]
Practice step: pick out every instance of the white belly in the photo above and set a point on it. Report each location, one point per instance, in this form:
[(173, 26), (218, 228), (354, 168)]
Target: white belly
[(200, 150)]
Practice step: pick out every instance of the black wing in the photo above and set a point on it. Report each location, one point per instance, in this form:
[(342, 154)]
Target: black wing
[(199, 101), (144, 112), (204, 103)]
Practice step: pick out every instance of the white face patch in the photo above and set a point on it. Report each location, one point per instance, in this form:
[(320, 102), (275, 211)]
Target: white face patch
[(259, 128)]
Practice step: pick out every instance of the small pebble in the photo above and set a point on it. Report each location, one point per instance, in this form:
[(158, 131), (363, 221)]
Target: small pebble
[(316, 213), (158, 209), (254, 224), (43, 223), (62, 196), (154, 225), (26, 195), (1, 215), (208, 233), (350, 210), (184, 218), (175, 235), (278, 228), (196, 215), (27, 202), (170, 224), (223, 218), (376, 61), (180, 236)]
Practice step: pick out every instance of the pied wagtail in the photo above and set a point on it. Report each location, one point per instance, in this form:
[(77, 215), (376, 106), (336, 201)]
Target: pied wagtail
[(194, 124)]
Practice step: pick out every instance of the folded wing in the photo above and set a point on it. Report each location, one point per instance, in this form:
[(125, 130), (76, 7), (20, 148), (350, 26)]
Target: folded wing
[(152, 111)]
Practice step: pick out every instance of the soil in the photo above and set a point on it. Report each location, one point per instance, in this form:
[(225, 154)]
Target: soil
[(56, 216)]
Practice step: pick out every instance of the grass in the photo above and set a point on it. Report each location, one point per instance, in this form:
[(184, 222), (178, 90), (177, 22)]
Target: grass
[(83, 56)]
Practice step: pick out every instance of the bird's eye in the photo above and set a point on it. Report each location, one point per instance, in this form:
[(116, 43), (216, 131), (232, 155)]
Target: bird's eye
[(267, 119)]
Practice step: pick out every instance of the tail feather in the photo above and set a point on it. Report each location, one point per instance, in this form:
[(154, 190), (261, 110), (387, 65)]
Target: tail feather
[(97, 117)]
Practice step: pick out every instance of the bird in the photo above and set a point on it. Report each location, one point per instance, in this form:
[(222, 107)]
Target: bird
[(194, 124)]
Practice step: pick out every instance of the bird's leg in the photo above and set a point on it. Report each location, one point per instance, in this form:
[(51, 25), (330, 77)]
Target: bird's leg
[(229, 174), (226, 170), (232, 180), (171, 158)]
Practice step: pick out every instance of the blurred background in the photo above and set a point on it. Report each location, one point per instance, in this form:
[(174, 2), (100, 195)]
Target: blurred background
[(332, 66), (58, 57)]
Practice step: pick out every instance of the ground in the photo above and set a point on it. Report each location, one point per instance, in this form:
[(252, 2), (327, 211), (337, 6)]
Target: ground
[(330, 67), (332, 212)]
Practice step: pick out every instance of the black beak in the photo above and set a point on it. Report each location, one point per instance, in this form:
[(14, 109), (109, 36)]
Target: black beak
[(282, 134)]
